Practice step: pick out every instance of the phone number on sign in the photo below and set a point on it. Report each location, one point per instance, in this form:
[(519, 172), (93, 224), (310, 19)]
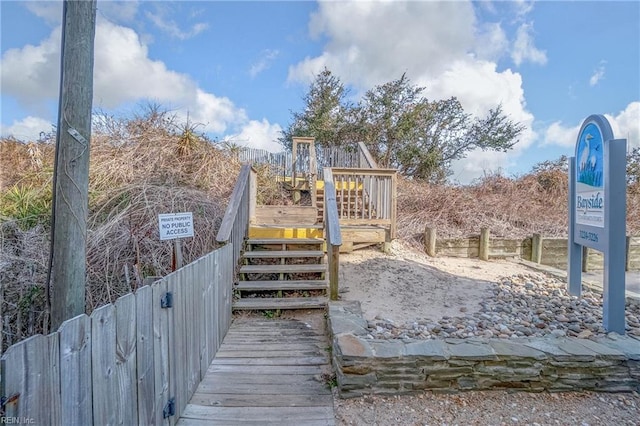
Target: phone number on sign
[(589, 236)]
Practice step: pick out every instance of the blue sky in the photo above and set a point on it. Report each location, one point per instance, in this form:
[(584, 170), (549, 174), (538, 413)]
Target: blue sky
[(240, 68)]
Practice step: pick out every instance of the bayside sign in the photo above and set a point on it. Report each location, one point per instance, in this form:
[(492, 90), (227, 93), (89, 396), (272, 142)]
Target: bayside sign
[(597, 213), (175, 225)]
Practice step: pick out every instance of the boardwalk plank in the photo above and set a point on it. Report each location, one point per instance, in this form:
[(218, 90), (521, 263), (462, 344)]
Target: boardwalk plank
[(266, 372), (272, 361), (268, 414), (253, 400), (266, 369)]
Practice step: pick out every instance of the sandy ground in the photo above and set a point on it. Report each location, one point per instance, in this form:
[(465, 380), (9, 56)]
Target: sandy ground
[(406, 285)]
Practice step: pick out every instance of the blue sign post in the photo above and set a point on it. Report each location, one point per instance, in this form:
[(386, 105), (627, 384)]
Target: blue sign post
[(597, 213)]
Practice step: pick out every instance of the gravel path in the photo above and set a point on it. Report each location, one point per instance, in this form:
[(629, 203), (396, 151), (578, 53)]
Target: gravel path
[(491, 408)]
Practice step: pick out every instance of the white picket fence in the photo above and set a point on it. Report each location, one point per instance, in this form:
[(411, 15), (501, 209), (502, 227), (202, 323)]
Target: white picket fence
[(131, 362)]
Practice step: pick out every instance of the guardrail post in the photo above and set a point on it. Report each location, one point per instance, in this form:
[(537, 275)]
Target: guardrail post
[(536, 248), (627, 251), (585, 259), (484, 244), (430, 241)]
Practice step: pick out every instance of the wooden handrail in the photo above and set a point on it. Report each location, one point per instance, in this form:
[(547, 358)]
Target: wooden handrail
[(366, 156), (332, 232), (244, 178)]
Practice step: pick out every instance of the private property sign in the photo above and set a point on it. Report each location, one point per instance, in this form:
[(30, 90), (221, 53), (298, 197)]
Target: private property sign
[(597, 213), (175, 225)]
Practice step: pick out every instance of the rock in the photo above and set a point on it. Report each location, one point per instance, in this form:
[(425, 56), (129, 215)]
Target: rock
[(584, 334)]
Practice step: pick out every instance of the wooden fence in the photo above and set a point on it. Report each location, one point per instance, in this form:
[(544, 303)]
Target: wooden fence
[(367, 197), (283, 164), (137, 361), (547, 251)]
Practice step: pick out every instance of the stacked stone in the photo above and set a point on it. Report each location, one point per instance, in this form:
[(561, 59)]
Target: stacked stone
[(365, 366), (521, 306)]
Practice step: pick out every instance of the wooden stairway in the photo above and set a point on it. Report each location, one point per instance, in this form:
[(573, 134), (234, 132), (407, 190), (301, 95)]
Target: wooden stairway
[(282, 273)]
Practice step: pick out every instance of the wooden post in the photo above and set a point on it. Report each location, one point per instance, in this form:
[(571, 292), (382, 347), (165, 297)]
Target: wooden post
[(484, 244), (627, 251), (430, 241), (71, 175), (334, 264), (585, 259), (394, 205), (536, 248), (178, 260)]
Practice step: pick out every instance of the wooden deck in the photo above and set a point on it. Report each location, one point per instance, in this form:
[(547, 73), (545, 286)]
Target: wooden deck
[(266, 372)]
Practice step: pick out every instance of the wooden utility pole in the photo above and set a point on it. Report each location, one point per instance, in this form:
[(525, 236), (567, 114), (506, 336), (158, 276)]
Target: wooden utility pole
[(71, 169)]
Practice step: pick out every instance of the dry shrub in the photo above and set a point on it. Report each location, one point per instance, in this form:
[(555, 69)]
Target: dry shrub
[(139, 168), (509, 207)]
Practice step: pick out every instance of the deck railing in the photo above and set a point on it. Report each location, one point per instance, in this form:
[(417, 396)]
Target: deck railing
[(333, 235), (367, 197), (137, 361), (241, 211), (285, 164)]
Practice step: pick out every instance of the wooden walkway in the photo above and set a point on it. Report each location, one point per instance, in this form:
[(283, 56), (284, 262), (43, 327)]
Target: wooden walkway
[(266, 372)]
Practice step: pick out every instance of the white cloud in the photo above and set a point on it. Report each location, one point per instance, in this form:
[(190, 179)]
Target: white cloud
[(374, 42), (598, 74), (558, 134), (28, 129), (524, 49), (118, 11), (264, 62), (123, 72), (491, 41), (50, 11), (30, 74), (440, 45), (625, 125), (479, 163), (260, 135), (170, 26)]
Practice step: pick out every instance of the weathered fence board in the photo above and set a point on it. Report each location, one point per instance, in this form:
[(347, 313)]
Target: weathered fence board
[(126, 389), (148, 406), (30, 376), (76, 388), (103, 362), (552, 253), (160, 349)]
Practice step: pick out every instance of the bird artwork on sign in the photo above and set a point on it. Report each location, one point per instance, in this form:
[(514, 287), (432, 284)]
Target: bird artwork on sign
[(584, 156)]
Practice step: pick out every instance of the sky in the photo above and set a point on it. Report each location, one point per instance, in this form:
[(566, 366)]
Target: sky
[(239, 69)]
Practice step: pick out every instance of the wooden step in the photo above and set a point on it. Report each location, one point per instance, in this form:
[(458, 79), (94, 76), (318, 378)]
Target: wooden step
[(302, 285), (284, 269), (266, 254), (288, 241), (255, 303)]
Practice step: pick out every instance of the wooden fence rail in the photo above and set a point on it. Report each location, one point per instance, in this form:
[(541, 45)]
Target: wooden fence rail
[(241, 210), (137, 361), (289, 164), (547, 251), (367, 197)]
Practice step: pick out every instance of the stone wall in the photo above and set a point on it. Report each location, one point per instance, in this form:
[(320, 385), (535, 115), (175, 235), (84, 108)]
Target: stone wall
[(368, 366)]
